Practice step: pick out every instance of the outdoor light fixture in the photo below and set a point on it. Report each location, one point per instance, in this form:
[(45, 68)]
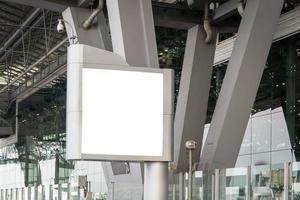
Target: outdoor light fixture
[(117, 112), (61, 28)]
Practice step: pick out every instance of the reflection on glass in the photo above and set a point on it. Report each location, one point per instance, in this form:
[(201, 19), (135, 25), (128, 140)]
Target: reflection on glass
[(65, 191), (277, 181), (47, 191), (296, 181), (261, 132), (74, 193), (233, 184), (56, 192), (261, 181), (40, 193), (198, 185), (26, 194)]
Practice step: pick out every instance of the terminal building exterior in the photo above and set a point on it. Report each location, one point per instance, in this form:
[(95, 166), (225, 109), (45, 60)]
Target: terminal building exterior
[(215, 83)]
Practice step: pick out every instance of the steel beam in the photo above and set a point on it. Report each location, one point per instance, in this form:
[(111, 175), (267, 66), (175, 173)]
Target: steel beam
[(240, 84), (45, 4), (31, 17), (22, 94), (17, 33), (132, 32), (225, 10), (193, 95), (3, 89), (20, 39), (165, 14), (175, 16)]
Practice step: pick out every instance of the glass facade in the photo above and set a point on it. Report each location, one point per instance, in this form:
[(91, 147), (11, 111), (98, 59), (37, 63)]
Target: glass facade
[(272, 134), (37, 161)]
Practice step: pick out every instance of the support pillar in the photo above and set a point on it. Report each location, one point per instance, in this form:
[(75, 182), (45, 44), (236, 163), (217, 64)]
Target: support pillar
[(193, 96), (287, 182), (132, 32), (156, 181), (240, 84), (217, 187), (181, 186), (248, 184), (133, 38)]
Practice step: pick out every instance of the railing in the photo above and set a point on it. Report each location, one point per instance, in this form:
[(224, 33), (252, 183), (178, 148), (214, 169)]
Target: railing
[(269, 182), (41, 78), (50, 192)]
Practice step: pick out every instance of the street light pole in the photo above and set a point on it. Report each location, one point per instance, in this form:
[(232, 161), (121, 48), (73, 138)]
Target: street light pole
[(190, 145)]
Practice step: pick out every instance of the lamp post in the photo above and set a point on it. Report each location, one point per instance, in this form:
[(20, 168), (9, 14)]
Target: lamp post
[(190, 145)]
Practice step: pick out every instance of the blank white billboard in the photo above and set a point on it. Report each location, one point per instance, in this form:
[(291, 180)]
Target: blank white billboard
[(119, 112), (122, 112)]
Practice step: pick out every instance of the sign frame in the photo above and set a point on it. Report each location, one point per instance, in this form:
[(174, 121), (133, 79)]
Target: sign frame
[(74, 111)]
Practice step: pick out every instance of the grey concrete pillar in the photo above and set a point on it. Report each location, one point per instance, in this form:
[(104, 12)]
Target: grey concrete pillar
[(240, 84)]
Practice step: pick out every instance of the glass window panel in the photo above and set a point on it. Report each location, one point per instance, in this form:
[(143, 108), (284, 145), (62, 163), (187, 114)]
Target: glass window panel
[(243, 161), (246, 144), (261, 132), (198, 185), (280, 134), (277, 181), (261, 159), (261, 181)]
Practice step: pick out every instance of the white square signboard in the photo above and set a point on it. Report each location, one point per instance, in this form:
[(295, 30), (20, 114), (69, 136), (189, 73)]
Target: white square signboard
[(119, 112)]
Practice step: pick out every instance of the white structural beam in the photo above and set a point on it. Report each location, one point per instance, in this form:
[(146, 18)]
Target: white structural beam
[(133, 38), (240, 84), (193, 95)]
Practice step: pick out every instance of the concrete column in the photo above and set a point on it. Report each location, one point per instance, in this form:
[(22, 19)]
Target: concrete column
[(240, 84), (132, 31), (193, 96), (156, 181), (181, 186)]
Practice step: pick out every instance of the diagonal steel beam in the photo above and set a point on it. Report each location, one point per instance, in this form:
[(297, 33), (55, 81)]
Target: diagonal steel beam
[(19, 40), (240, 84), (14, 35), (193, 95), (45, 4)]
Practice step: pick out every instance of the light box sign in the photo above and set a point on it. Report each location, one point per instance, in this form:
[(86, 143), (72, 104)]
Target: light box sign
[(117, 112)]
